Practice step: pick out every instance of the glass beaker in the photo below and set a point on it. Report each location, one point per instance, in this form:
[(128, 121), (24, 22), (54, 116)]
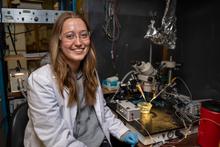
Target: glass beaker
[(145, 115), (145, 107)]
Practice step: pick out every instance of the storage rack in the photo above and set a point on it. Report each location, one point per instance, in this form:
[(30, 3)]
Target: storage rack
[(29, 16)]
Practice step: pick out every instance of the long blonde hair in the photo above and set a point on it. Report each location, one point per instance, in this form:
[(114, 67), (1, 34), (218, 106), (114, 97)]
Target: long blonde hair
[(64, 76)]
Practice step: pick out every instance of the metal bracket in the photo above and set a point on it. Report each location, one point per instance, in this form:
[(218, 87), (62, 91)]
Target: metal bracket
[(11, 15)]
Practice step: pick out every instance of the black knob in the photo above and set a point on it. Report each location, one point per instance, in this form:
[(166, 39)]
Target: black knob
[(36, 19), (179, 134)]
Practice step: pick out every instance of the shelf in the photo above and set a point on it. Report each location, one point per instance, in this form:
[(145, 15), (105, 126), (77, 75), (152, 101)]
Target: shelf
[(14, 95), (20, 57), (29, 56)]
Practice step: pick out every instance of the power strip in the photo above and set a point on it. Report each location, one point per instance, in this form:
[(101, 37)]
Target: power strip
[(12, 15)]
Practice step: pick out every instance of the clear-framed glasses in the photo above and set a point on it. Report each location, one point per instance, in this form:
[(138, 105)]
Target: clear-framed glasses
[(72, 36)]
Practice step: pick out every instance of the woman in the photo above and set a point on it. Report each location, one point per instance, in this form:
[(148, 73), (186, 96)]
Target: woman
[(66, 104)]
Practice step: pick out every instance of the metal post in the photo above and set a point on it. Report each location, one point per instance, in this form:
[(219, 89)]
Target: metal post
[(62, 4), (170, 71), (74, 5), (3, 87)]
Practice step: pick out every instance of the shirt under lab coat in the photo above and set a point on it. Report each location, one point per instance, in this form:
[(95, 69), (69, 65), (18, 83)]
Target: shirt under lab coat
[(51, 121)]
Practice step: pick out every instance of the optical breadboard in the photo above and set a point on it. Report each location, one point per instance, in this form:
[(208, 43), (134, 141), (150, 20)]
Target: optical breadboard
[(11, 15)]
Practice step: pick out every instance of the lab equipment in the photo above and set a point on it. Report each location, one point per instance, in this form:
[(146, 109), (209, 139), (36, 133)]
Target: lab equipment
[(128, 110), (18, 80)]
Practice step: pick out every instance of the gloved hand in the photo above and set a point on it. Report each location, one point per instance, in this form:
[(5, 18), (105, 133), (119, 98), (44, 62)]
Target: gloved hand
[(130, 138)]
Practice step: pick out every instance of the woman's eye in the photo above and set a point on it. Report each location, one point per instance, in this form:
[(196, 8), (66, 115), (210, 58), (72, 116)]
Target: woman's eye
[(84, 35), (70, 36)]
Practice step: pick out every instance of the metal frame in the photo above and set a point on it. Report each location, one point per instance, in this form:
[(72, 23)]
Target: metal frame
[(3, 93), (3, 90), (12, 15)]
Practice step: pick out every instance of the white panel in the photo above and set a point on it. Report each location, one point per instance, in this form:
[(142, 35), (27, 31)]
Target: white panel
[(29, 16)]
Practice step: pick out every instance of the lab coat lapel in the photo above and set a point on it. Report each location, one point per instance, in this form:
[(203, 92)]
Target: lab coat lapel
[(70, 111), (97, 107)]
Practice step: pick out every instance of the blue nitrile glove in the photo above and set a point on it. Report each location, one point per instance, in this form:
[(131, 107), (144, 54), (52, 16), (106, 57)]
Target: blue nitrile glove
[(130, 138)]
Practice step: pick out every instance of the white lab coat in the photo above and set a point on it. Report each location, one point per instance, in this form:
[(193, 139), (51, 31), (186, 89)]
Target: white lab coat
[(51, 122)]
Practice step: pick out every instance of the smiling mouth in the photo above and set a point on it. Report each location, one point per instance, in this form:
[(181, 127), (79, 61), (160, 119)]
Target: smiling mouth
[(78, 49)]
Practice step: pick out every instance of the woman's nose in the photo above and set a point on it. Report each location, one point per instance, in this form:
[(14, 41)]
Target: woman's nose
[(78, 41)]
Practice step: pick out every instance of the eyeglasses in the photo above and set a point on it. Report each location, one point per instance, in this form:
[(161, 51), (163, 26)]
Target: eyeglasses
[(72, 36)]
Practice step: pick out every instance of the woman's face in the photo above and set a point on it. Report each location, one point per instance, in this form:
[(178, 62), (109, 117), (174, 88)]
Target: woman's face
[(75, 40)]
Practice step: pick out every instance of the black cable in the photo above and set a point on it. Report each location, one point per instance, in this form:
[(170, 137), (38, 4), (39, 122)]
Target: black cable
[(1, 30), (24, 32), (13, 44), (1, 14)]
